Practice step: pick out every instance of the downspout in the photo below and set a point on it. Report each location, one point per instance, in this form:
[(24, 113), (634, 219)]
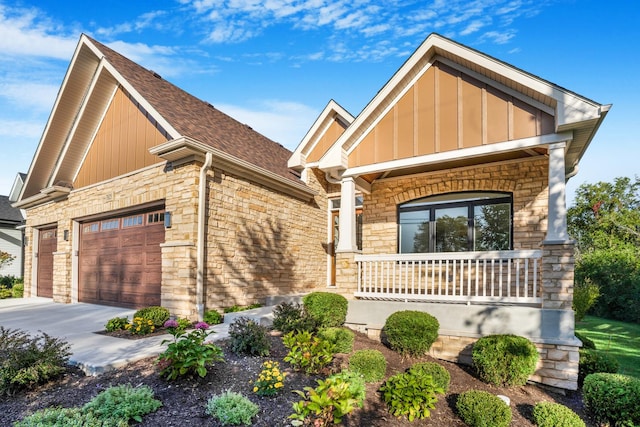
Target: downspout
[(202, 224)]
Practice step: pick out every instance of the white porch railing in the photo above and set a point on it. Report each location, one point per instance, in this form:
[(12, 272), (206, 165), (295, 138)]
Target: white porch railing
[(500, 276)]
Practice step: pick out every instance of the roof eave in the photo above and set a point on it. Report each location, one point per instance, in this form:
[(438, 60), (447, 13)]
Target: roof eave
[(186, 149), (46, 195)]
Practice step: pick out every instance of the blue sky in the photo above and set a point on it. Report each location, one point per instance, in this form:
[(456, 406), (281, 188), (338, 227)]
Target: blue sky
[(274, 64)]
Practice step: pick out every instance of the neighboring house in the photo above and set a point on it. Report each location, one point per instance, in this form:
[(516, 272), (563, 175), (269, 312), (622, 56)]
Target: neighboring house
[(12, 230), (445, 194)]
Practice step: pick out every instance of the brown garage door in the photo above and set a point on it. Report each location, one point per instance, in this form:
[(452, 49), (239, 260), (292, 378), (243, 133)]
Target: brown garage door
[(120, 260), (47, 245)]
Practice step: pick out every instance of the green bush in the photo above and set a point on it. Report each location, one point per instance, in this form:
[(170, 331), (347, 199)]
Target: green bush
[(586, 342), (237, 308), (307, 352), (411, 394), (550, 414), (289, 317), (5, 292), (140, 326), (18, 290), (596, 361), (341, 338), (371, 364), (248, 337), (616, 271), (29, 360), (411, 333), (326, 308), (613, 398), (158, 315), (188, 353), (184, 324), (440, 375), (212, 317), (504, 359), (232, 408), (123, 403), (331, 400), (8, 281), (116, 324), (482, 409), (65, 417), (585, 295)]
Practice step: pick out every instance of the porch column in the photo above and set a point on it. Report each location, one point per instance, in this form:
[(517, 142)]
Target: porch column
[(347, 223), (557, 220)]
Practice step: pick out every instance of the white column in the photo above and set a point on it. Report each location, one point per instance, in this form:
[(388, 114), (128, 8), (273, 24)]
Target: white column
[(347, 240), (557, 219)]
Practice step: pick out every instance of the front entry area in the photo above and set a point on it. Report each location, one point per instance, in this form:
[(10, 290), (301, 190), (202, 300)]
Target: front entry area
[(47, 245), (120, 260)]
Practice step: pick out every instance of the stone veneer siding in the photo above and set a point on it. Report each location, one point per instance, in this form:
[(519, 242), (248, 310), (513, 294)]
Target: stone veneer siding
[(262, 242), (259, 242)]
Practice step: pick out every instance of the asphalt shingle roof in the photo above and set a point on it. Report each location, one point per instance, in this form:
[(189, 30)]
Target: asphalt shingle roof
[(8, 213), (199, 120)]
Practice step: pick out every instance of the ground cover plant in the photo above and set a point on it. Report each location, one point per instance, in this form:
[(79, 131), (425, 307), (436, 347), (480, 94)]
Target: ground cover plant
[(619, 339), (184, 399)]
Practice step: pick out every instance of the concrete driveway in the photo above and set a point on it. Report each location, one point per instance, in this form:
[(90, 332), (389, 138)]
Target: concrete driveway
[(77, 324)]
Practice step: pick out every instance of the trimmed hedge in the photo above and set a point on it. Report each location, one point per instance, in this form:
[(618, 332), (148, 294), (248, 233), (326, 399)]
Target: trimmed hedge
[(411, 333), (613, 398), (326, 308), (596, 361), (341, 338), (371, 364), (550, 414), (439, 373), (482, 409), (504, 359)]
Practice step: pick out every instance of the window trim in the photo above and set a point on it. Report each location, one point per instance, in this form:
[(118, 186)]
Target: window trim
[(460, 202)]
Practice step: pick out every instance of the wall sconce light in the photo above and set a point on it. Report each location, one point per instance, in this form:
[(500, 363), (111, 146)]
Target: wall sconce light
[(65, 235), (26, 241), (167, 220)]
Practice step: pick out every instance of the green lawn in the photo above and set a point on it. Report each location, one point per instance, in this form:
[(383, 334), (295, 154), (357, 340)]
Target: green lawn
[(619, 338)]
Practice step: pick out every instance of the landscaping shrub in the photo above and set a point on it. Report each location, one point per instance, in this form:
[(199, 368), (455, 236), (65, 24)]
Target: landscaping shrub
[(411, 333), (613, 398), (371, 364), (326, 308), (586, 342), (248, 337), (341, 338), (439, 373), (237, 308), (232, 408), (585, 295), (482, 409), (212, 317), (29, 360), (5, 292), (184, 324), (307, 352), (8, 281), (289, 317), (412, 394), (116, 324), (504, 359), (331, 400), (158, 315), (270, 380), (122, 403), (64, 417), (187, 353), (18, 290), (140, 326), (550, 414), (596, 361)]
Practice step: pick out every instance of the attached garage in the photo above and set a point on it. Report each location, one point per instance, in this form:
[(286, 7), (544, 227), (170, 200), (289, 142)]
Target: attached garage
[(120, 260)]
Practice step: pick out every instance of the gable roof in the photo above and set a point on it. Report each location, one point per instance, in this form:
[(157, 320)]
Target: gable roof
[(8, 214), (576, 118), (94, 73)]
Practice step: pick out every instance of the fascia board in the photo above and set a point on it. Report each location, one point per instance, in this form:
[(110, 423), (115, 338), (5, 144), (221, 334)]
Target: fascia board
[(501, 147)]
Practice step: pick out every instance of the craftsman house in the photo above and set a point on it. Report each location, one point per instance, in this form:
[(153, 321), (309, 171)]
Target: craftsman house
[(445, 194)]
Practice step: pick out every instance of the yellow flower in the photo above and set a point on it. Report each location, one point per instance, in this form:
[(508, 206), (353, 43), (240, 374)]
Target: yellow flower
[(279, 385), (255, 389)]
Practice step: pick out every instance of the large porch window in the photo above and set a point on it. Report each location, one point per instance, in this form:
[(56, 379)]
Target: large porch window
[(456, 222)]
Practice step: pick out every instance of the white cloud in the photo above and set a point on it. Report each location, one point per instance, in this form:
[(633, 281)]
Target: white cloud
[(282, 121), (25, 32), (20, 129), (29, 94)]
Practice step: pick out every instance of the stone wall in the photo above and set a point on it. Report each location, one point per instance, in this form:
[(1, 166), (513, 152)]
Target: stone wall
[(262, 242)]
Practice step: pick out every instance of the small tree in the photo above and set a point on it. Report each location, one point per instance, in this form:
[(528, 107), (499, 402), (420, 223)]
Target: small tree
[(6, 259)]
